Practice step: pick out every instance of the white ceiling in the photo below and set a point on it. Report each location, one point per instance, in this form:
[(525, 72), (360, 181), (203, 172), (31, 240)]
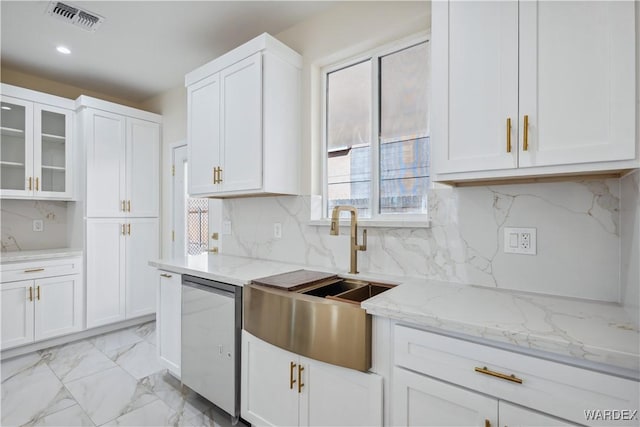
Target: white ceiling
[(144, 47)]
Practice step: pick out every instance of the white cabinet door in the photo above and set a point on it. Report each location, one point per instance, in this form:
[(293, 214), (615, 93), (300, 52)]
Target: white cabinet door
[(517, 416), (52, 152), (16, 150), (143, 168), (58, 306), (141, 279), (418, 400), (269, 384), (577, 81), (241, 125), (336, 396), (475, 85), (105, 271), (17, 313), (168, 321), (106, 141), (203, 134)]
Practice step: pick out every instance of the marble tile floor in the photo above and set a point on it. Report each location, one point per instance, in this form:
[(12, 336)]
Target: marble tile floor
[(112, 379)]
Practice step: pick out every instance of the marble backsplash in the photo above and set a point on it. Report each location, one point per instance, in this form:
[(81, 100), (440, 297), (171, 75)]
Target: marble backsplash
[(17, 225), (578, 232), (630, 244)]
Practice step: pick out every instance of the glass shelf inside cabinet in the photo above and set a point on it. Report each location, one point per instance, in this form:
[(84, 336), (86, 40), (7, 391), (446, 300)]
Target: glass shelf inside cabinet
[(12, 147), (53, 140)]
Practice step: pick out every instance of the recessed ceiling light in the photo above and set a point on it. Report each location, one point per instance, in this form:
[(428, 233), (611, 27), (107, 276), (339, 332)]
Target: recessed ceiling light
[(63, 49), (5, 107)]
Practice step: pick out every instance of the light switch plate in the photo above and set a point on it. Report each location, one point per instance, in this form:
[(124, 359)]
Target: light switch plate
[(520, 240), (277, 230)]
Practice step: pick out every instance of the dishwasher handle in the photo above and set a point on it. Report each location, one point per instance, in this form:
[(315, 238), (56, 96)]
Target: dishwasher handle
[(215, 290)]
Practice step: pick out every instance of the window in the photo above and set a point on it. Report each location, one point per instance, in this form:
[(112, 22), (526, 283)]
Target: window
[(377, 133)]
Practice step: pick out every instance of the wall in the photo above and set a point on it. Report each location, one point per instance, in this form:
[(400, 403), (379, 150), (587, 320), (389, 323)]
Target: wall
[(630, 244), (577, 226), (17, 225)]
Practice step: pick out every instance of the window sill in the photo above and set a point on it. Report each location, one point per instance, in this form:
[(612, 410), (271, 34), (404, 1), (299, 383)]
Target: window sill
[(372, 223)]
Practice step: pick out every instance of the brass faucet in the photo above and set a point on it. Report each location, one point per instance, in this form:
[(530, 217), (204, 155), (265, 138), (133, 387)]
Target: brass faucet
[(335, 231)]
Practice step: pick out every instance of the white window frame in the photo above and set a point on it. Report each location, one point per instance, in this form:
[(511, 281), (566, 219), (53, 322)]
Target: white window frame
[(376, 219)]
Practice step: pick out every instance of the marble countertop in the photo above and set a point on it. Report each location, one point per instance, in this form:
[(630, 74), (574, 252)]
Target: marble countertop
[(587, 331), (39, 254), (572, 329)]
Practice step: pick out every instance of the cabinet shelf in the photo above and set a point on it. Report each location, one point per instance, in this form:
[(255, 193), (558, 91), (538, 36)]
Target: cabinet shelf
[(12, 164), (54, 168), (53, 138), (11, 131)]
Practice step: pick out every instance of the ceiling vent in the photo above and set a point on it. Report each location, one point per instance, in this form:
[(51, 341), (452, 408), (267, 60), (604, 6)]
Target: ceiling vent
[(82, 18)]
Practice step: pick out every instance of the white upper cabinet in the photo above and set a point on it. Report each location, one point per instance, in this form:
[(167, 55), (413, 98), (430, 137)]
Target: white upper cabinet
[(36, 145), (533, 88), (244, 122), (123, 159)]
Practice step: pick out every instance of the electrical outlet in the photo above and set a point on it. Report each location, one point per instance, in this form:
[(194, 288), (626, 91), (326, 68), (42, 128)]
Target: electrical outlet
[(38, 225), (226, 228), (520, 241), (277, 230)]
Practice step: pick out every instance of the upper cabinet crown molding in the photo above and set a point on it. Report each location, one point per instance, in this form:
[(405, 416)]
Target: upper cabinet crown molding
[(243, 122), (85, 101), (534, 88), (39, 97)]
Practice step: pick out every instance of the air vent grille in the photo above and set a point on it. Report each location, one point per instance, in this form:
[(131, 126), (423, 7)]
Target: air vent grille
[(84, 19)]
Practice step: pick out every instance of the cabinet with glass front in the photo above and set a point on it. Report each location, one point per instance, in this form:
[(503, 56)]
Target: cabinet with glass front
[(35, 145)]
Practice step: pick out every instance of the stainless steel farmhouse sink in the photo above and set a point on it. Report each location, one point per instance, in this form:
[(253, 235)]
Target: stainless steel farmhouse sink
[(321, 319)]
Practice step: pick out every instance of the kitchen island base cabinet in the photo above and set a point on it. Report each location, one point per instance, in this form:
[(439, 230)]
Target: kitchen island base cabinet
[(280, 388), (168, 321)]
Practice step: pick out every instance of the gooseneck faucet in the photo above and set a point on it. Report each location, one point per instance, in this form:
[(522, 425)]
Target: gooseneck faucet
[(335, 231)]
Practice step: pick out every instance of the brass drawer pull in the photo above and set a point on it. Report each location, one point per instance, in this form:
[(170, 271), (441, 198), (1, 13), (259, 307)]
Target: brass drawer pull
[(128, 205), (30, 183), (37, 183), (38, 292), (486, 371), (30, 293), (124, 231), (525, 135), (508, 134), (292, 366), (129, 229), (34, 270), (168, 276), (300, 383), (123, 208)]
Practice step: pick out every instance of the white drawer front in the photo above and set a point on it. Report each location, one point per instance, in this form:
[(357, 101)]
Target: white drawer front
[(555, 388), (12, 272)]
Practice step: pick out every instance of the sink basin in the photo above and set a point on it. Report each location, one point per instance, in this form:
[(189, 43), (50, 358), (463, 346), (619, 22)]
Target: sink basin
[(322, 321)]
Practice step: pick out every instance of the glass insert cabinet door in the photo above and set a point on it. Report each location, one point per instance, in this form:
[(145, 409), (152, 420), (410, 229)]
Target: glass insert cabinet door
[(35, 150), (16, 147)]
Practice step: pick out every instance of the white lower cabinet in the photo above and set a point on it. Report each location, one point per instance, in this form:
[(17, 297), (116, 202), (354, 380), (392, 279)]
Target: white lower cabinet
[(440, 381), (43, 307), (168, 321), (120, 283), (280, 388)]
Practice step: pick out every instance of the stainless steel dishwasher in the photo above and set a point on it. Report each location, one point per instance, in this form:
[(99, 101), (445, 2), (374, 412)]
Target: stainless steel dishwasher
[(211, 325)]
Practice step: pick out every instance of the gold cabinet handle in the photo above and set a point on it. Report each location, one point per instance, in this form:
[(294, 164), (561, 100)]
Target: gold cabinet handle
[(30, 293), (30, 183), (215, 175), (168, 276), (124, 231), (37, 183), (300, 383), (219, 175), (128, 205), (525, 135), (122, 207), (486, 371), (129, 229), (34, 270), (508, 134), (38, 292), (292, 366)]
